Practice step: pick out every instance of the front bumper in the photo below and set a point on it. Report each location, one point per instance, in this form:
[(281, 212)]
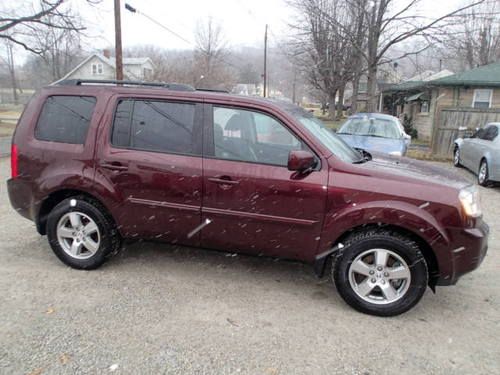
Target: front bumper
[(468, 249)]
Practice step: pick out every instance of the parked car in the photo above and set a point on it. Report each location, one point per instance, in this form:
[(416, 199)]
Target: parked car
[(93, 164), (375, 132), (480, 153)]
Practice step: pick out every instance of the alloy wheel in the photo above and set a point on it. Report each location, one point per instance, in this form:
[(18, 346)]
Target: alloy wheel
[(78, 235), (379, 276)]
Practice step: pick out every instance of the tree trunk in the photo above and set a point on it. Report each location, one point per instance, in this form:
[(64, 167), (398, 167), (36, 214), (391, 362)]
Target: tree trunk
[(371, 105), (340, 108), (355, 92), (331, 104), (12, 71)]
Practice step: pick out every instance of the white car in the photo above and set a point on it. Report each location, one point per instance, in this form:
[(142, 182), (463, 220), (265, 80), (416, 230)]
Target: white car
[(480, 153)]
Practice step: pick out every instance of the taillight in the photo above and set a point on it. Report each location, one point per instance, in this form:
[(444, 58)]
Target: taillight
[(13, 161)]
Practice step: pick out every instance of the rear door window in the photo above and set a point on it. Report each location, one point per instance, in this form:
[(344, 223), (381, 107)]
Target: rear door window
[(65, 119), (153, 125)]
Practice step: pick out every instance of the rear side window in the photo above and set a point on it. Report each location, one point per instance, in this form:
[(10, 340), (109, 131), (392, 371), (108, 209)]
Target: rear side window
[(491, 132), (156, 126), (65, 119)]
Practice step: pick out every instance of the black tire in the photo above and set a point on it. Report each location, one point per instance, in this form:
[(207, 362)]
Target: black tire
[(456, 157), (110, 240), (404, 247), (480, 180)]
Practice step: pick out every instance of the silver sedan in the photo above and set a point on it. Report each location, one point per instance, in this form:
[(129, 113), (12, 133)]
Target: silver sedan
[(480, 153)]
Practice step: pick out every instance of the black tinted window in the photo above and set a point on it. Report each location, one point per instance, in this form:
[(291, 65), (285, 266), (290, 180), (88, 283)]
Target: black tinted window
[(490, 133), (65, 119), (480, 133), (156, 126), (121, 125)]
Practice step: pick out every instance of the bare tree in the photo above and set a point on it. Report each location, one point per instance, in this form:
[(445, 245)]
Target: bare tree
[(475, 40), (323, 49), (210, 54), (11, 67), (389, 23), (170, 65), (22, 23)]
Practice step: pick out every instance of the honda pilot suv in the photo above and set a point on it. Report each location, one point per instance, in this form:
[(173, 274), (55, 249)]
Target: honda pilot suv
[(94, 163)]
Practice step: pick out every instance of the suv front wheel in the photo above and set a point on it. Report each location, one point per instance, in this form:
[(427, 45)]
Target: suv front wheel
[(80, 233), (380, 272)]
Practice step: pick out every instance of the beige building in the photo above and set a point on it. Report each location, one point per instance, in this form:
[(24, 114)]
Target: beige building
[(103, 67), (444, 104)]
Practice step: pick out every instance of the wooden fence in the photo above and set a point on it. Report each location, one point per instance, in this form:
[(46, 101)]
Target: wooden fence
[(452, 123)]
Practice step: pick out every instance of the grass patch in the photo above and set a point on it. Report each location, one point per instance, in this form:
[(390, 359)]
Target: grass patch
[(425, 155), (7, 129)]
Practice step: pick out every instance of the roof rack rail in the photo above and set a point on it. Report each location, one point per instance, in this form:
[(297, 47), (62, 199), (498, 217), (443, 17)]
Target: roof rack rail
[(169, 86), (212, 90)]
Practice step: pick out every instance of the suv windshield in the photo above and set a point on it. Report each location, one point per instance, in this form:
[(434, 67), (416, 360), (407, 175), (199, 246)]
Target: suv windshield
[(329, 139), (372, 127)]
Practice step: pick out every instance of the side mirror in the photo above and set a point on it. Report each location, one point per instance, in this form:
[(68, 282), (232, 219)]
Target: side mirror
[(299, 160)]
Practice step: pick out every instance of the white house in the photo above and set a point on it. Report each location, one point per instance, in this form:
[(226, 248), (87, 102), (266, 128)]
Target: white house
[(102, 66)]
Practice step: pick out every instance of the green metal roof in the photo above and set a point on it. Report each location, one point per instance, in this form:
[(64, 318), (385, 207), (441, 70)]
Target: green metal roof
[(406, 86), (486, 75), (420, 96)]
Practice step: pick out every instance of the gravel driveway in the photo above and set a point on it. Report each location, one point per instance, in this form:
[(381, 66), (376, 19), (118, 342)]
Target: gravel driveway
[(158, 309)]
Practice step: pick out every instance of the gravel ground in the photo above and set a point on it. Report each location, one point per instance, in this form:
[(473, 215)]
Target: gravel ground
[(159, 309)]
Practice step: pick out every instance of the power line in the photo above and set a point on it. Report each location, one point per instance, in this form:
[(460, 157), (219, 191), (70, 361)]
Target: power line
[(131, 9), (135, 10)]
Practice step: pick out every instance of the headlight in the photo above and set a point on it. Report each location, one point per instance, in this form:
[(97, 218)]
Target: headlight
[(469, 197), (395, 153)]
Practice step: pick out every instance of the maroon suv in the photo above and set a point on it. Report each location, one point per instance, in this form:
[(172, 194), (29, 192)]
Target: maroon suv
[(93, 164)]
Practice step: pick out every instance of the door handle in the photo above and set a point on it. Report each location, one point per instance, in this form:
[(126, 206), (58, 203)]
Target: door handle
[(114, 166), (223, 180)]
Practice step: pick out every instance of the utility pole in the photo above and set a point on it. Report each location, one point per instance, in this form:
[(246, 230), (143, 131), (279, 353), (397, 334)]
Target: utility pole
[(265, 63), (118, 42)]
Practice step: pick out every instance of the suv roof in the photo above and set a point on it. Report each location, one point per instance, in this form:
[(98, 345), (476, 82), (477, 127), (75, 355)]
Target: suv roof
[(176, 89)]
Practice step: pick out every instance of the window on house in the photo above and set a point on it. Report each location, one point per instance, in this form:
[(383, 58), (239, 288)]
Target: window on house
[(96, 68), (424, 107), (363, 87), (147, 73), (482, 98)]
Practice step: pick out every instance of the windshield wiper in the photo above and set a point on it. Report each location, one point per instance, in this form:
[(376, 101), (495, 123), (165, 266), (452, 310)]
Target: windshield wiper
[(344, 133)]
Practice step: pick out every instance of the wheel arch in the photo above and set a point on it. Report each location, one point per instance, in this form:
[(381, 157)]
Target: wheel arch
[(57, 196), (424, 246)]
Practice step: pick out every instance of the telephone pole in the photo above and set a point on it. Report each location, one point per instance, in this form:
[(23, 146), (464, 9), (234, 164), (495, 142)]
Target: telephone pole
[(265, 63), (118, 42)]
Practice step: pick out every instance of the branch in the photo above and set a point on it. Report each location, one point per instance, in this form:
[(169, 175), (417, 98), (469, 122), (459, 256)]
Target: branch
[(15, 21)]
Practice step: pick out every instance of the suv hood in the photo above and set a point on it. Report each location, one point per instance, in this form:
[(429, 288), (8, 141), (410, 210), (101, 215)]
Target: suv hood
[(402, 169)]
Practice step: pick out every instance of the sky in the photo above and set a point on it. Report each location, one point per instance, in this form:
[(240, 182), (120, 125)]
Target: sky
[(243, 21)]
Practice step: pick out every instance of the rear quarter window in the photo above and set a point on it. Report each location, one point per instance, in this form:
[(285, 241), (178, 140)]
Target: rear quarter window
[(65, 119)]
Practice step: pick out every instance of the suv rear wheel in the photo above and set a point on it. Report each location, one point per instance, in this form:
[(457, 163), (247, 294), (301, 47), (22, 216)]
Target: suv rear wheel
[(380, 272), (80, 233)]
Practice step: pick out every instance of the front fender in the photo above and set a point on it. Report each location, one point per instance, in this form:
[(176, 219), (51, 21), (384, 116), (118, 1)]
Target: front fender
[(415, 219)]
